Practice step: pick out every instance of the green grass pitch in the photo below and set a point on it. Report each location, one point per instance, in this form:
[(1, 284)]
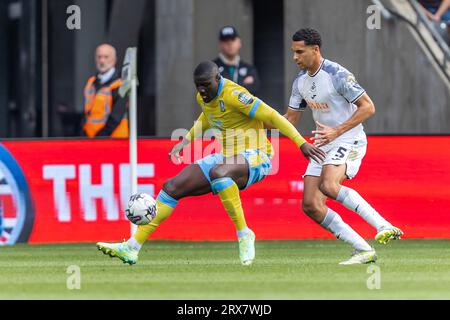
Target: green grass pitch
[(409, 269)]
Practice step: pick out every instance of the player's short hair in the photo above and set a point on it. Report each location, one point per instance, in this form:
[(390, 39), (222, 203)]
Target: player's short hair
[(309, 35), (206, 69)]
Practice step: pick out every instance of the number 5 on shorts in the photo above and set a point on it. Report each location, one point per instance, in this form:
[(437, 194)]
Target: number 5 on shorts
[(340, 153)]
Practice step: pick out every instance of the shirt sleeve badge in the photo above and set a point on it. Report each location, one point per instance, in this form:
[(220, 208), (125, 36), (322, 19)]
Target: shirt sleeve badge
[(245, 98)]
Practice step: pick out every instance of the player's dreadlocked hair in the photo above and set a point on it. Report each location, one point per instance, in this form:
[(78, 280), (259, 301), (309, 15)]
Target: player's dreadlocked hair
[(309, 35)]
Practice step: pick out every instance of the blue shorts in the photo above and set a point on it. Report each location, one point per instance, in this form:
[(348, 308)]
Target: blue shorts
[(259, 165)]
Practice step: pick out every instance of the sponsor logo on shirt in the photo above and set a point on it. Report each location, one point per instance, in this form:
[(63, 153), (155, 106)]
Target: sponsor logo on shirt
[(317, 105)]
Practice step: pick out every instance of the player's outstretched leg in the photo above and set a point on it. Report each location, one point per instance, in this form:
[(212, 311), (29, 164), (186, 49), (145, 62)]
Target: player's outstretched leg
[(363, 252), (331, 179), (128, 251), (353, 201), (229, 195), (314, 206), (228, 191), (188, 182)]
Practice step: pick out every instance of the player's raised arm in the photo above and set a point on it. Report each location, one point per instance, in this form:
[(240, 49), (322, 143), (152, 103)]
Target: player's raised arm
[(325, 134), (200, 125)]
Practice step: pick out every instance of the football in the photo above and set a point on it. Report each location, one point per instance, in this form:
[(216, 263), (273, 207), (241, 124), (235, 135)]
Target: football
[(141, 209)]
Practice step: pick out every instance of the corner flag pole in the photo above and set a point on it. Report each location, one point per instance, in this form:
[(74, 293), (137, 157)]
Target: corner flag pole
[(129, 84)]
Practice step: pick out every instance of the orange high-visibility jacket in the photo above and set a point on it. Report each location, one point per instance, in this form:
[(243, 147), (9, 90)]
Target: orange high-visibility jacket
[(98, 106)]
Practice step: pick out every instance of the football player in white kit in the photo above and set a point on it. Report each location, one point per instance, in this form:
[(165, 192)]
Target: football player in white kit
[(339, 106)]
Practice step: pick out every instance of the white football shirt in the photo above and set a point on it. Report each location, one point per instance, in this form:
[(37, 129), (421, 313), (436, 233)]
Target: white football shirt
[(330, 93)]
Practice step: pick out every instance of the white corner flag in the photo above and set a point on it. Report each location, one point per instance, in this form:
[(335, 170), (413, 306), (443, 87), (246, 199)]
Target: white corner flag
[(129, 85)]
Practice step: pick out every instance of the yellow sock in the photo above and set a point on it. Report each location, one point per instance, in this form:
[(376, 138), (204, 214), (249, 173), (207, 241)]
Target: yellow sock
[(229, 195), (165, 205)]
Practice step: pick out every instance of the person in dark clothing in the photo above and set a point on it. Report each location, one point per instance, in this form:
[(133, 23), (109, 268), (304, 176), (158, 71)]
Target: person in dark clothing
[(230, 64)]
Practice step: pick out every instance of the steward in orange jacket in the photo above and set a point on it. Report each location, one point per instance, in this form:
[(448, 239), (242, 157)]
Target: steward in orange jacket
[(105, 111)]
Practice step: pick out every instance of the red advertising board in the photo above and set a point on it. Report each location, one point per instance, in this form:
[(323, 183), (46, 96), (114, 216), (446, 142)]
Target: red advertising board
[(75, 190)]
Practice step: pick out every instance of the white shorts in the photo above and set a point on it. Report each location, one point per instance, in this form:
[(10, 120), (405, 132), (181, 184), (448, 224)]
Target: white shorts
[(337, 153)]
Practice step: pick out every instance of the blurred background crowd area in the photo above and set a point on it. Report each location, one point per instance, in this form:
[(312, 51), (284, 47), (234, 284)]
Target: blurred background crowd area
[(44, 65)]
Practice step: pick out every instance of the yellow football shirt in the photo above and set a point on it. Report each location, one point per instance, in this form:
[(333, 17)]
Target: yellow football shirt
[(232, 114)]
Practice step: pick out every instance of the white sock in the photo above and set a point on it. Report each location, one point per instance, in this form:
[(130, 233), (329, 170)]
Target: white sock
[(132, 242), (353, 201), (334, 223)]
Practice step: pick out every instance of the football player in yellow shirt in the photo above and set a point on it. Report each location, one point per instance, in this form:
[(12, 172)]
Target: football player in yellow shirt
[(239, 119)]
